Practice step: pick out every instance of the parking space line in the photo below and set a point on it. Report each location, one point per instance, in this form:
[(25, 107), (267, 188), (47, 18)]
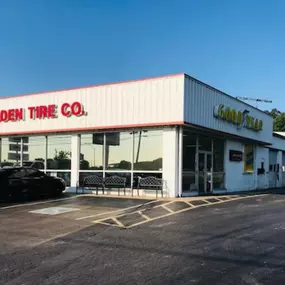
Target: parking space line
[(116, 211), (106, 224), (118, 222), (166, 203), (206, 201), (167, 209), (36, 203), (144, 216), (188, 203)]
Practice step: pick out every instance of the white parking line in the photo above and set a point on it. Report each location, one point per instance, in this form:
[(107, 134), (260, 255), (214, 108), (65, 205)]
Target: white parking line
[(117, 211), (36, 203)]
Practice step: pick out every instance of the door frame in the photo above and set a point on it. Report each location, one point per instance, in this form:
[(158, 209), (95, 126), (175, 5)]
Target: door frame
[(206, 153)]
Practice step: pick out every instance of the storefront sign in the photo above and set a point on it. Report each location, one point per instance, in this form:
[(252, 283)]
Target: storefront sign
[(239, 118), (42, 112), (236, 155)]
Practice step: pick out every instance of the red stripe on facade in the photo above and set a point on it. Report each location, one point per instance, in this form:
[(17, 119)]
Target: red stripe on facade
[(100, 128)]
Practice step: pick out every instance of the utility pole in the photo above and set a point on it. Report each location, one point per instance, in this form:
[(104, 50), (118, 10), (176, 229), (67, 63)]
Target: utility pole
[(254, 99)]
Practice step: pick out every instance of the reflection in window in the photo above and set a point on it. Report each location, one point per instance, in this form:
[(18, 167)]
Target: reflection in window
[(91, 152), (66, 176), (205, 143), (59, 152), (189, 151), (34, 150), (83, 175), (148, 150), (218, 155), (119, 147), (8, 159)]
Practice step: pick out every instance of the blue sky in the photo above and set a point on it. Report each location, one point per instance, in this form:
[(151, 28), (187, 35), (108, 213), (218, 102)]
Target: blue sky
[(235, 45)]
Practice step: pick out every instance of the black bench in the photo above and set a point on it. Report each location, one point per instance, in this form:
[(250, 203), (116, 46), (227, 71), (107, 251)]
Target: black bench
[(116, 182), (92, 181), (99, 183), (150, 183)]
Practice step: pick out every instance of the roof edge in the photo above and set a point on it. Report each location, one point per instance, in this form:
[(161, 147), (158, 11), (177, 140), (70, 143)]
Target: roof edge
[(93, 86), (224, 93)]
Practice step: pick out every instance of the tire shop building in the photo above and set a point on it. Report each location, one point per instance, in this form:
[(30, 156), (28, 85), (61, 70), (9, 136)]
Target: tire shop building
[(176, 128)]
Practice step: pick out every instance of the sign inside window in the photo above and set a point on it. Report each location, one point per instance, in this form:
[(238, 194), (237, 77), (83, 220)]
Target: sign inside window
[(236, 155)]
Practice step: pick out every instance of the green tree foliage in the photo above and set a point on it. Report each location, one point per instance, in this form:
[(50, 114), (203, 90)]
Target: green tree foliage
[(278, 120), (279, 123)]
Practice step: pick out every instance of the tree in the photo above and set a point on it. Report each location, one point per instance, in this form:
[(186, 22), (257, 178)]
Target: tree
[(279, 123), (62, 154), (274, 113), (278, 120)]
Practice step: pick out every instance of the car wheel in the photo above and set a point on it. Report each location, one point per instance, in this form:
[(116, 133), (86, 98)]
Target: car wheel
[(57, 192)]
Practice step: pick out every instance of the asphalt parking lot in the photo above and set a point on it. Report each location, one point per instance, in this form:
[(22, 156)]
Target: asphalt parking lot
[(219, 240), (39, 221)]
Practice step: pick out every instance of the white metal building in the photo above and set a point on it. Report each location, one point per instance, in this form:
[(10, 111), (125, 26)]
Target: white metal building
[(195, 137)]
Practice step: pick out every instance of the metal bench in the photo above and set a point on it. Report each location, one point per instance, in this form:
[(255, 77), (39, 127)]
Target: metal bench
[(116, 182), (99, 183), (150, 183), (92, 181)]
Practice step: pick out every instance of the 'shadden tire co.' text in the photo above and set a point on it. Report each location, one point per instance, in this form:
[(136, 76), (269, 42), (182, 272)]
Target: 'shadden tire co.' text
[(42, 112)]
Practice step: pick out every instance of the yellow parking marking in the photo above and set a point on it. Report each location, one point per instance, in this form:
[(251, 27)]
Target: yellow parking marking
[(144, 216), (166, 203), (116, 211), (208, 202), (188, 203), (118, 222), (170, 212), (167, 209), (106, 224)]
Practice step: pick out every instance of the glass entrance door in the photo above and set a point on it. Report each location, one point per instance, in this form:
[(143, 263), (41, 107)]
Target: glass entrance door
[(205, 172)]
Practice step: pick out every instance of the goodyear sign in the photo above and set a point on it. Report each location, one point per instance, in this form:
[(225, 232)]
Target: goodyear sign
[(239, 118)]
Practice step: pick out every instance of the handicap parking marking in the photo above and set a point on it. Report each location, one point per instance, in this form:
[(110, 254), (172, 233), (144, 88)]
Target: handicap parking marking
[(53, 210), (142, 216)]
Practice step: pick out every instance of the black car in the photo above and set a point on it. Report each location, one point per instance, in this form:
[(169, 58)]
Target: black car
[(16, 182)]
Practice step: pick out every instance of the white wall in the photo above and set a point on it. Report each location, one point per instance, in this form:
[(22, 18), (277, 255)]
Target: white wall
[(199, 103), (170, 161), (151, 102), (278, 143), (235, 179), (262, 154)]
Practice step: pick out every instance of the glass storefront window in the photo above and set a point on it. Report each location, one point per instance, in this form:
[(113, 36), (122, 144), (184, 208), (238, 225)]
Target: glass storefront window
[(59, 152), (91, 151), (205, 143), (66, 176), (118, 149), (148, 150), (34, 152), (10, 158), (218, 155), (189, 151)]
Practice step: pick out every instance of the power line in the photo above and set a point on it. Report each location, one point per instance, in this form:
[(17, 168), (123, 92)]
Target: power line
[(254, 99)]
